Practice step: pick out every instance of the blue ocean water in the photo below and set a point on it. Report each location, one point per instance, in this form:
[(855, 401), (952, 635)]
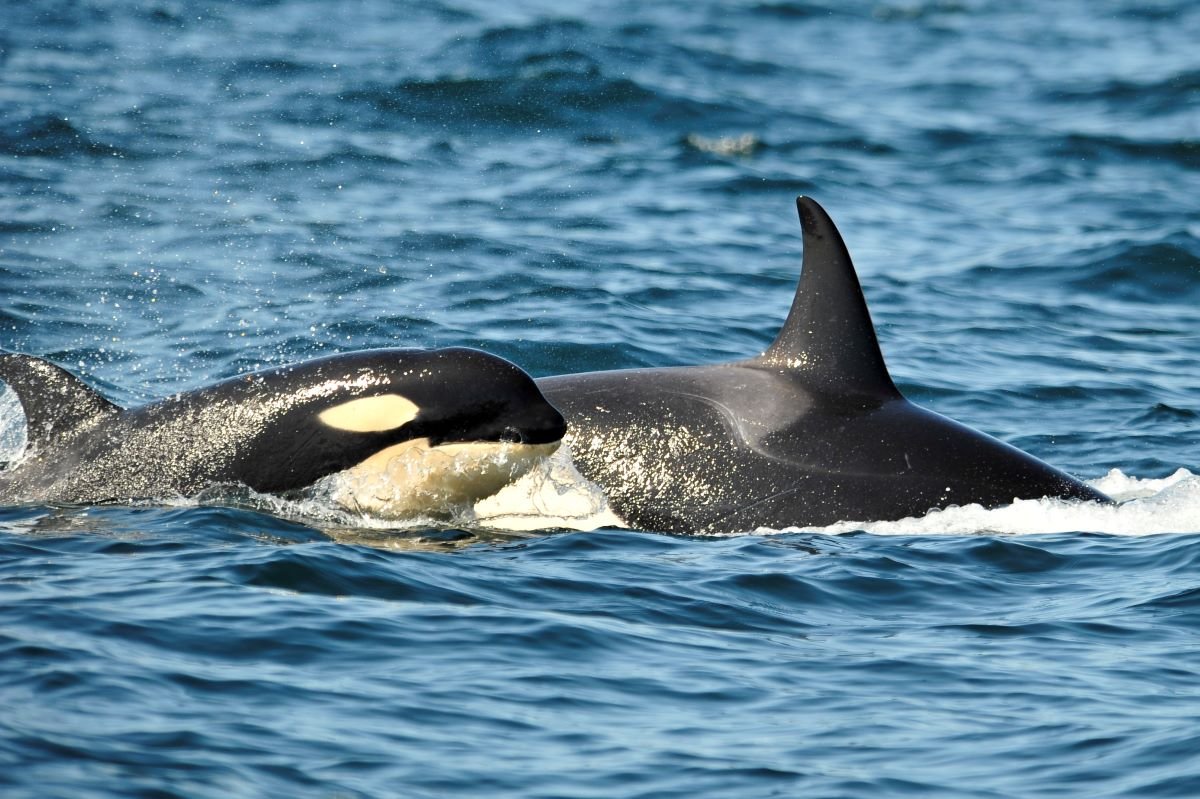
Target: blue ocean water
[(189, 191)]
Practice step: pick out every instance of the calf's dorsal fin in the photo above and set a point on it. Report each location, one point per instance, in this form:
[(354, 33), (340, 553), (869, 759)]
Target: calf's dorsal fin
[(55, 401), (828, 336)]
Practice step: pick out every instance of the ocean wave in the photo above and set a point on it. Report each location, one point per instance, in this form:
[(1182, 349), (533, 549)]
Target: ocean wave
[(1183, 152), (922, 10), (332, 163), (53, 136), (1167, 268), (549, 98), (1145, 506), (1164, 95), (1128, 266), (551, 74), (796, 9)]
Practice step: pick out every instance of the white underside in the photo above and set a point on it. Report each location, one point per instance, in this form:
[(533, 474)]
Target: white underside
[(414, 479)]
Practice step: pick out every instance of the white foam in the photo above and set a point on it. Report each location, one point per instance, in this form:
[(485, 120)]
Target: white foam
[(12, 425), (552, 495), (1145, 507)]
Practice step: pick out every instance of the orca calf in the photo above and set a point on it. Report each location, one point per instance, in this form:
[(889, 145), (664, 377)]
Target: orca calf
[(809, 433), (401, 433)]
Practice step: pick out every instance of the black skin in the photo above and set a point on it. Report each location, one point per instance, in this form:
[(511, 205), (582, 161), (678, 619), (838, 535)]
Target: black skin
[(262, 429), (810, 433)]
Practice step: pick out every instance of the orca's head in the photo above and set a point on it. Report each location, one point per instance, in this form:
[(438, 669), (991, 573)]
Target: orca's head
[(422, 433), (473, 396)]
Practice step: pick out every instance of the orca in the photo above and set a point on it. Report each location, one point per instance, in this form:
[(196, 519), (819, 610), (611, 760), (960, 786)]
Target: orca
[(392, 432), (811, 432)]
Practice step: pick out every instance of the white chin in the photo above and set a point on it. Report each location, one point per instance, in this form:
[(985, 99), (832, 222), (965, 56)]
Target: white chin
[(414, 479)]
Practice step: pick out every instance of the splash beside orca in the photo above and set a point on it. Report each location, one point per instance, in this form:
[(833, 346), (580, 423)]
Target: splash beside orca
[(809, 433), (405, 431)]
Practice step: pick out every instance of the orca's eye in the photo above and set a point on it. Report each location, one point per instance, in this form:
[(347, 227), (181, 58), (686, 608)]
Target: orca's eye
[(511, 435)]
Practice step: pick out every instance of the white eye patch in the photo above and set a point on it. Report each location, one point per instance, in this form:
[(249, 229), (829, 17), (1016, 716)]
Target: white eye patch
[(370, 414)]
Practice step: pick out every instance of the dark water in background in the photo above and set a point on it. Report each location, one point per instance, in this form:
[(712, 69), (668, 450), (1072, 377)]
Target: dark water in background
[(192, 190)]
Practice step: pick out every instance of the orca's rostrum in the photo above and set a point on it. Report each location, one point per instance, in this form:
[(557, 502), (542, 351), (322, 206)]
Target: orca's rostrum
[(809, 433)]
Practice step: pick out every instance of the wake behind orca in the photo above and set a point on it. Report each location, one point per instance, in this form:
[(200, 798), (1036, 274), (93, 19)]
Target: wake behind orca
[(809, 433), (405, 432)]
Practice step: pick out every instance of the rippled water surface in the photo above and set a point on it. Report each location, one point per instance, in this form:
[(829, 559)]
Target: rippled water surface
[(190, 191)]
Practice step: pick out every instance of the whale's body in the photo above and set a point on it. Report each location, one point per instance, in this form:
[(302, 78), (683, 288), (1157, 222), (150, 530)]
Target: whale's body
[(811, 432), (409, 431)]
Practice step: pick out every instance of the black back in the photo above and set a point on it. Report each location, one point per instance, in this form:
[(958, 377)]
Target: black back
[(811, 432)]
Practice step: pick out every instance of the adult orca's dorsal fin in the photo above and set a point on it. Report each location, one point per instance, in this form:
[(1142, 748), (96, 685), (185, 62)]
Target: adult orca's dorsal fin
[(56, 402), (828, 336)]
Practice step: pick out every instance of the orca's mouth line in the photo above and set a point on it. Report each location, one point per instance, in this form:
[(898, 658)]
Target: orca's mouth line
[(514, 436), (509, 437)]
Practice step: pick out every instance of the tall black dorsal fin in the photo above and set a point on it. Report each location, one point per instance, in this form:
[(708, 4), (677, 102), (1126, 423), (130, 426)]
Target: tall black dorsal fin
[(55, 401), (828, 335)]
